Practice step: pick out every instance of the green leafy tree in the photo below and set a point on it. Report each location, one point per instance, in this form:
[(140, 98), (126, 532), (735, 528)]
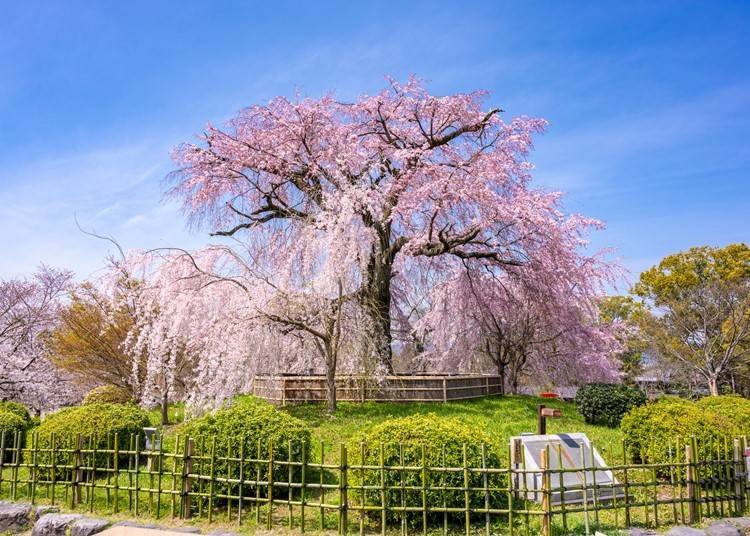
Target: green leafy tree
[(700, 301), (625, 314)]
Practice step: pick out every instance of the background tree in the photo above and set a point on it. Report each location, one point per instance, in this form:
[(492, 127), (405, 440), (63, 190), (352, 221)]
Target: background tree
[(89, 340), (28, 308), (701, 304), (480, 318), (369, 188), (624, 315), (197, 300)]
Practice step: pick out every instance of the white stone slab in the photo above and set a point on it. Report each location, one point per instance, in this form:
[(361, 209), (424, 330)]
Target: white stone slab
[(575, 452)]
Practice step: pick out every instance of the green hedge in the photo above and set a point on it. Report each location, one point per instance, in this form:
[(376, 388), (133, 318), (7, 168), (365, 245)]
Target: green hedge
[(17, 409), (606, 403), (97, 423), (442, 442), (250, 425), (730, 412), (654, 433), (107, 394), (10, 424)]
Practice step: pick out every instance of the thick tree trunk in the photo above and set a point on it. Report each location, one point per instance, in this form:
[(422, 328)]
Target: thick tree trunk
[(165, 409), (514, 376), (376, 299), (330, 388), (501, 372), (713, 386)]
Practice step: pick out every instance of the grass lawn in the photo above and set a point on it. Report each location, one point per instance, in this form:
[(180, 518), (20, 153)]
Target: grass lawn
[(500, 417)]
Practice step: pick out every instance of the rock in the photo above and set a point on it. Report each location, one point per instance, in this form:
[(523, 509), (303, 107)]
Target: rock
[(44, 509), (685, 531), (722, 528), (639, 532), (87, 526), (739, 522), (220, 532), (187, 530), (14, 517), (54, 524)]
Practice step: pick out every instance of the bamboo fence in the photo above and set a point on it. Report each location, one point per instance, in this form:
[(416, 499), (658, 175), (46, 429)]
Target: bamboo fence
[(366, 489)]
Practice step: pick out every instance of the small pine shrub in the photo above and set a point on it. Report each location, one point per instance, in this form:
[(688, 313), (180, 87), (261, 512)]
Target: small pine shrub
[(606, 403), (442, 442), (97, 424), (249, 426), (107, 394)]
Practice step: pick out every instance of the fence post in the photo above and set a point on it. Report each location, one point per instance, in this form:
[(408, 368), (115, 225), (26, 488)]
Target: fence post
[(115, 466), (546, 507), (738, 477), (343, 492), (691, 481), (187, 468), (626, 483), (77, 472)]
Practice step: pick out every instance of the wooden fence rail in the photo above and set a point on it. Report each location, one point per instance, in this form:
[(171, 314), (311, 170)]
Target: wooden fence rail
[(295, 389), (371, 488)]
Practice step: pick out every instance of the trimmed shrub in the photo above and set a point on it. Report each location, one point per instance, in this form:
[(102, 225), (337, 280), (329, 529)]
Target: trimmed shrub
[(606, 403), (248, 426), (442, 442), (10, 424), (97, 424), (17, 409), (107, 394), (731, 413), (658, 431)]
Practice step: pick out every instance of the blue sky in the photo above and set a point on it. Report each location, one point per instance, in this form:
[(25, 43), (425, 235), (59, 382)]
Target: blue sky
[(648, 103)]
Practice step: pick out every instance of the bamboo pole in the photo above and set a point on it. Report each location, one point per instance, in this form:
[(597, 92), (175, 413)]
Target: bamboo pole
[(53, 455), (92, 442), (34, 469), (303, 488), (690, 480), (424, 491), (2, 459), (485, 482), (77, 473), (289, 482), (269, 493), (187, 485), (322, 489), (240, 488), (383, 495), (116, 464), (738, 470), (212, 469), (137, 468), (173, 487), (343, 491), (362, 461), (510, 489), (546, 508), (467, 497)]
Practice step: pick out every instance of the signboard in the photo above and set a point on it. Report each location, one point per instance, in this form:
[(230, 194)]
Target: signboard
[(571, 451)]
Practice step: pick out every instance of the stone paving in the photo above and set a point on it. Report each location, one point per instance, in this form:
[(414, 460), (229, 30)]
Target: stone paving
[(48, 521)]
